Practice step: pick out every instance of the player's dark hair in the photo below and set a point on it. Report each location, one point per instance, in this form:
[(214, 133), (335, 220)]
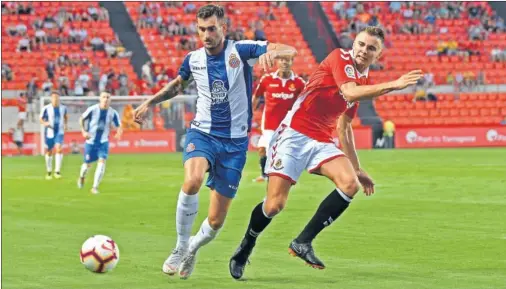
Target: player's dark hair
[(375, 31), (211, 10), (55, 92)]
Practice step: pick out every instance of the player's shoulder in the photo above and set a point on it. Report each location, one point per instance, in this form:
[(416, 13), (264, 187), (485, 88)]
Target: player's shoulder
[(299, 80), (340, 56), (247, 42), (266, 77)]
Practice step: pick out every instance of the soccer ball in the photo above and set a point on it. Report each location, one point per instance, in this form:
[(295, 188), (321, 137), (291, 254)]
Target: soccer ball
[(99, 254)]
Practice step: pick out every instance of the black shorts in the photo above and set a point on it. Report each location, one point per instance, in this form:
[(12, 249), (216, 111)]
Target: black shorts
[(19, 144)]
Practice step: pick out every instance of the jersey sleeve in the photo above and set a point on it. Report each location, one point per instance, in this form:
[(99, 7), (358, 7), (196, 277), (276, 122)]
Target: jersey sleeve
[(185, 71), (260, 90), (249, 49), (87, 114), (115, 118), (341, 67), (352, 111), (43, 113)]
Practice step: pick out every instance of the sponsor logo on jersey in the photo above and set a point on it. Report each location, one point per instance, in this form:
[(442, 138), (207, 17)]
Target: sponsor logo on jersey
[(292, 87), (233, 61), (350, 71), (219, 93), (199, 68), (283, 95), (190, 147)]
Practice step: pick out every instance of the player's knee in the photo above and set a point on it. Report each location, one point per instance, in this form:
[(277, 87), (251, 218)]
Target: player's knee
[(273, 208), (215, 222), (193, 182), (349, 185)]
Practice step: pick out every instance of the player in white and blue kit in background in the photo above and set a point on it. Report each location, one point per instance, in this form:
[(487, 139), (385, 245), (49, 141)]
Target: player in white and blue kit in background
[(99, 119), (217, 140), (54, 118)]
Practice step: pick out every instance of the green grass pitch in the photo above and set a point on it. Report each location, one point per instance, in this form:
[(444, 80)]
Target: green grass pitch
[(437, 220)]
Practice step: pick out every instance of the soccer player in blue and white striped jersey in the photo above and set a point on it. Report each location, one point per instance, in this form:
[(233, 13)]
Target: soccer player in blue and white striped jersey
[(99, 119), (54, 118), (217, 140)]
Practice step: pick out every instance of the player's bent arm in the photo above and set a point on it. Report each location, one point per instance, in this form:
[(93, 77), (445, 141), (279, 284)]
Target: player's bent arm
[(347, 140), (169, 91)]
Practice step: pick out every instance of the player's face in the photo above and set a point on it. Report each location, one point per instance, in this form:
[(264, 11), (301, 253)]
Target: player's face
[(55, 99), (211, 31), (105, 100), (285, 64), (367, 49)]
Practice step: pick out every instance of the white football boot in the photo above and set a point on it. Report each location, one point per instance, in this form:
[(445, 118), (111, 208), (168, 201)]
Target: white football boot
[(171, 265)]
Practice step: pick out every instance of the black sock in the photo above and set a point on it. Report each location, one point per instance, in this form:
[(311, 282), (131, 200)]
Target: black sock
[(257, 223), (263, 160), (328, 211)]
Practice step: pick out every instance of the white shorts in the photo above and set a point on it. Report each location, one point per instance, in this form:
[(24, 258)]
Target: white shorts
[(265, 139), (292, 152), (22, 115)]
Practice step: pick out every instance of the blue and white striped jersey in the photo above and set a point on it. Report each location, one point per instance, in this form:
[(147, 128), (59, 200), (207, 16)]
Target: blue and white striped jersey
[(99, 123), (55, 116), (224, 87)]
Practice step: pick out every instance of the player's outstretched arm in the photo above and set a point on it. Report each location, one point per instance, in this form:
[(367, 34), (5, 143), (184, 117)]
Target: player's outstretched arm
[(166, 93), (353, 92), (347, 140), (83, 131)]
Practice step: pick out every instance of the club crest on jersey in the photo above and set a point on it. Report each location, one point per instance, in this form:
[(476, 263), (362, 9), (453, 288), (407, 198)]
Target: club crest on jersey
[(190, 147), (350, 71), (278, 165), (233, 61), (219, 93), (292, 87)]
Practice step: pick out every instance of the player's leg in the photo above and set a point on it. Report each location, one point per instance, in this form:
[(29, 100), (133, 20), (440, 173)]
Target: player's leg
[(224, 181), (263, 144), (263, 159), (197, 157), (339, 170), (49, 157), (58, 155), (286, 161), (90, 156), (103, 152)]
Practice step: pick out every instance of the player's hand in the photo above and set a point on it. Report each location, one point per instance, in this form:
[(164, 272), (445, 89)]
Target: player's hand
[(410, 78), (366, 182), (86, 135), (47, 124), (267, 60), (117, 136), (140, 112)]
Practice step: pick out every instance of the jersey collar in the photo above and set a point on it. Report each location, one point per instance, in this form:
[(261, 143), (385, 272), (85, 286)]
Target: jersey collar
[(275, 75)]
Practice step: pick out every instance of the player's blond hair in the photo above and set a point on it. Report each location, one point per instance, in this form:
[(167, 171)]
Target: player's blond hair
[(375, 31)]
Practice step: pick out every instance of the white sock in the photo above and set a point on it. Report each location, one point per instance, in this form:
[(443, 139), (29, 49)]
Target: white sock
[(186, 212), (99, 173), (205, 235), (57, 162), (49, 163), (84, 170)]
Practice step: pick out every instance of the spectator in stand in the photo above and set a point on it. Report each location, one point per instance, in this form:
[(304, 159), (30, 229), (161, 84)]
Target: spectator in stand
[(93, 12), (102, 85), (123, 83), (6, 72), (47, 87), (481, 79), (24, 45), (31, 94), (429, 79), (498, 54), (259, 32), (420, 95), (469, 80), (459, 80), (97, 43), (21, 103)]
